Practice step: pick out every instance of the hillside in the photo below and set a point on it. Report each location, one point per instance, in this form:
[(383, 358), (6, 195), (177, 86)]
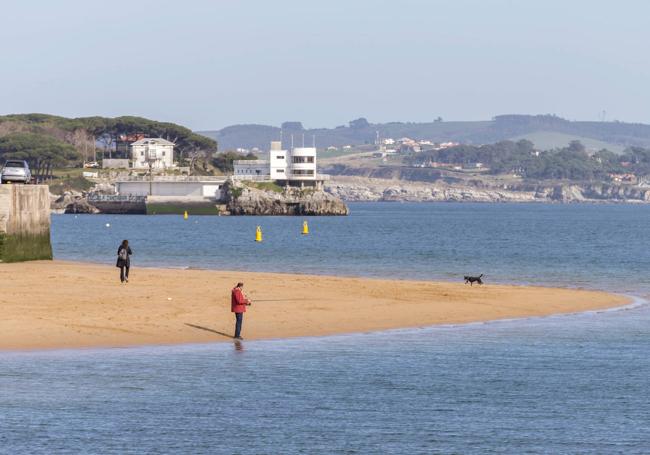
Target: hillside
[(49, 141), (548, 130)]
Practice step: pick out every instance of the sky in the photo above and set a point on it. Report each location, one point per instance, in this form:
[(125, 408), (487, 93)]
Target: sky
[(207, 64)]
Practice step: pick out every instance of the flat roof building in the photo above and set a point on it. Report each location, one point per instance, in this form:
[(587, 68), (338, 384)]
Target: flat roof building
[(295, 167)]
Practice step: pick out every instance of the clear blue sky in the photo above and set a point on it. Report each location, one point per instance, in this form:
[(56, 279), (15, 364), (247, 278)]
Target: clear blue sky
[(207, 64)]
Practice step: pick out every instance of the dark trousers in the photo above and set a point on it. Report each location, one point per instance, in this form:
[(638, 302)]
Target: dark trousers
[(124, 273), (239, 318)]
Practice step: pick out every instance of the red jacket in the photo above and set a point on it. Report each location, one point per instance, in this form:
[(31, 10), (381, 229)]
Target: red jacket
[(238, 301)]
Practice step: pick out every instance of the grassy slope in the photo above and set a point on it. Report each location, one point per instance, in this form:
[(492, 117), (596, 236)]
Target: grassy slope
[(546, 140)]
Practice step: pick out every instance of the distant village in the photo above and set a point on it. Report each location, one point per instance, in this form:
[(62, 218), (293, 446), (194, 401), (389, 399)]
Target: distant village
[(385, 146)]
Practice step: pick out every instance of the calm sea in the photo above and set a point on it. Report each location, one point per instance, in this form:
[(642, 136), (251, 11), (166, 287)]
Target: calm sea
[(564, 384)]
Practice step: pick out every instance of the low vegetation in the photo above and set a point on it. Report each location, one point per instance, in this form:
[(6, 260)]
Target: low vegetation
[(265, 186), (69, 183)]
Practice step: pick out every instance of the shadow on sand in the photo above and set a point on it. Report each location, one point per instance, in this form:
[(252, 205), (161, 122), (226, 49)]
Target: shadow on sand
[(207, 329)]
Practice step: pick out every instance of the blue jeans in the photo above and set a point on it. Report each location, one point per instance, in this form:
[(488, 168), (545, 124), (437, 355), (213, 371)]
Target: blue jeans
[(239, 318)]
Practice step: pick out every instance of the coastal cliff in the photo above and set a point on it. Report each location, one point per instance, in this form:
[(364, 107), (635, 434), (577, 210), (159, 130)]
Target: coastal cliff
[(249, 198), (362, 189)]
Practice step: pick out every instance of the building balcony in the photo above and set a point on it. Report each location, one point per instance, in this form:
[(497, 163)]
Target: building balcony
[(251, 163), (304, 177)]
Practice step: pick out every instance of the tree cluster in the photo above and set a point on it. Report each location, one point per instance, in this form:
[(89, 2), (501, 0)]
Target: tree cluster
[(86, 132), (224, 161), (571, 162), (42, 153)]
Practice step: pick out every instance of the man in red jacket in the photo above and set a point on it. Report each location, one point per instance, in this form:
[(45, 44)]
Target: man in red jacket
[(238, 304)]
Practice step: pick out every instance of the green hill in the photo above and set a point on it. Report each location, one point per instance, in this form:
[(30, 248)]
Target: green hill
[(548, 140), (546, 131)]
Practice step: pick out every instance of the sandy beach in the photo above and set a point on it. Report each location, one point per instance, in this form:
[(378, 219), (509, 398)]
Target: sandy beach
[(55, 304)]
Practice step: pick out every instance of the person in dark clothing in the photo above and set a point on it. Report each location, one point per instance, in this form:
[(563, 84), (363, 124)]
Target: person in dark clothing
[(238, 304), (124, 260)]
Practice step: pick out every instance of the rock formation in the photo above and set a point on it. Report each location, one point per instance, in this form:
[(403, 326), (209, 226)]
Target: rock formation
[(243, 198), (71, 202), (361, 189)]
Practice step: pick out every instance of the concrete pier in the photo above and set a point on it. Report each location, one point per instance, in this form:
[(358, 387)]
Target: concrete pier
[(24, 223)]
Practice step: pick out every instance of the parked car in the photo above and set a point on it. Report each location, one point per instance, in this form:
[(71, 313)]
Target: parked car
[(16, 171), (91, 164)]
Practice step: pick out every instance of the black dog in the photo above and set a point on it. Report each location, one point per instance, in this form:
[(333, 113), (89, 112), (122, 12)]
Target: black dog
[(473, 279)]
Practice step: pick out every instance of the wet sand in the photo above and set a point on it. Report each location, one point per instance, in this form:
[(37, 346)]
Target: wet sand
[(56, 304)]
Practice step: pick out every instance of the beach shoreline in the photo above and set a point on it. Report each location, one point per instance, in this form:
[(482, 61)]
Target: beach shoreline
[(62, 304)]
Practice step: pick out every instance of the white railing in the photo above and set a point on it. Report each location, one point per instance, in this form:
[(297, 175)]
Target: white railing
[(267, 178), (254, 177), (251, 162), (172, 178)]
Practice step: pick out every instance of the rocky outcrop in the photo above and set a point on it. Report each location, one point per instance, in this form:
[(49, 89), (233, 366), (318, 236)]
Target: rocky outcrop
[(242, 198), (71, 202), (81, 205), (358, 189)]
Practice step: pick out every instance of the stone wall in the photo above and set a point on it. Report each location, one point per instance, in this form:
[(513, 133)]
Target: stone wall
[(24, 223)]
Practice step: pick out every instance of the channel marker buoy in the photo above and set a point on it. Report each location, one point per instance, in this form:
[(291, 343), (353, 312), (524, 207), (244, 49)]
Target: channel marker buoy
[(305, 228), (258, 234)]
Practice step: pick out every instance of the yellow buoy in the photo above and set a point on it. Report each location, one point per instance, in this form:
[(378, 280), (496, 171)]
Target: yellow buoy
[(185, 216), (305, 228), (258, 234)]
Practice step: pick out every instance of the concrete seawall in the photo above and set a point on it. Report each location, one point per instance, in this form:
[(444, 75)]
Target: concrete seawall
[(24, 223)]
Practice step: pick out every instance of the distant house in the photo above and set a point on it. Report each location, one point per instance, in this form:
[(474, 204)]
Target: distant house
[(623, 178), (445, 145), (157, 152)]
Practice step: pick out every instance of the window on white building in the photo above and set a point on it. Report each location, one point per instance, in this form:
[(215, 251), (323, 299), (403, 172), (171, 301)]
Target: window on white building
[(303, 159), (280, 157)]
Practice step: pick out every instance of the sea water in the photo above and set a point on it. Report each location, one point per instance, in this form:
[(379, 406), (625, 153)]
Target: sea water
[(560, 384), (599, 246)]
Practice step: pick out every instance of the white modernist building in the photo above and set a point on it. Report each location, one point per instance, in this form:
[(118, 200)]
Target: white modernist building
[(157, 152), (287, 167)]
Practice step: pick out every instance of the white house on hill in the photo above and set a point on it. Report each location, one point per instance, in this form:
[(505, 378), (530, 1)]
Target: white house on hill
[(157, 151)]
